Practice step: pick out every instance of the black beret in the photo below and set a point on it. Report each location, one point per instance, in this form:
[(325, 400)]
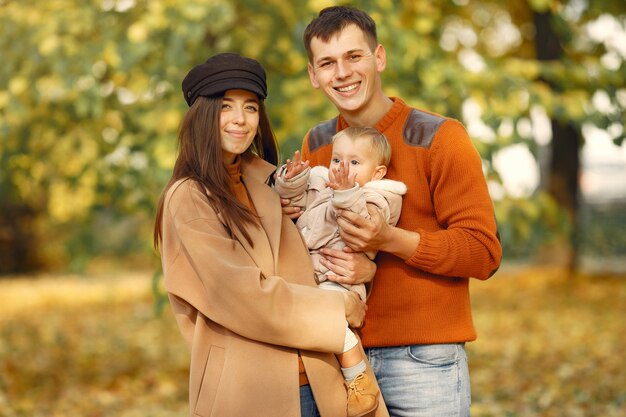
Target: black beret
[(221, 72)]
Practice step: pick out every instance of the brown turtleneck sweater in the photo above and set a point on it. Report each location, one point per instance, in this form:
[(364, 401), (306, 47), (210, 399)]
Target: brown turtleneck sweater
[(238, 187)]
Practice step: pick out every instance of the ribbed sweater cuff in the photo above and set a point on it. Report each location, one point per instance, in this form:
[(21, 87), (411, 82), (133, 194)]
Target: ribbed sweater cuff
[(427, 253)]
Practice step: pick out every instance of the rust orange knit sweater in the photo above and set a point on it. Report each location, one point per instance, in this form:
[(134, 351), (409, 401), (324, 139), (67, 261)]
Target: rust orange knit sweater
[(425, 299)]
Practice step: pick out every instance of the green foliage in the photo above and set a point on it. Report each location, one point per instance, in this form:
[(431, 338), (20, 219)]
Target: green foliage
[(90, 97), (528, 224), (603, 226)]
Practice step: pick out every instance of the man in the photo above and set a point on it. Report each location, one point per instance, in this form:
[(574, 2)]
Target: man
[(419, 314)]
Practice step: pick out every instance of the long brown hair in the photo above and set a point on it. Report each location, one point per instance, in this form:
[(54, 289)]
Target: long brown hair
[(200, 159)]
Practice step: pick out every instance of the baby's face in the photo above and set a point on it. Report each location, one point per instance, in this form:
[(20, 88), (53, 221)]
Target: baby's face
[(358, 155)]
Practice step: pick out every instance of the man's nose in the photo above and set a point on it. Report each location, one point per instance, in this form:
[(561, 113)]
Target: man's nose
[(343, 69)]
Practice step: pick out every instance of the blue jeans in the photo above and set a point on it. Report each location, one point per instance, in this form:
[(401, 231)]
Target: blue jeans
[(423, 380), (308, 408)]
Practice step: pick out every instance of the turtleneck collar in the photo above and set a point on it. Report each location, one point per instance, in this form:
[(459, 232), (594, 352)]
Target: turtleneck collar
[(234, 170), (386, 121), (237, 186)]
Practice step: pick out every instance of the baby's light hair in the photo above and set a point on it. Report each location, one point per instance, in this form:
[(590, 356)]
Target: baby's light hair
[(379, 142)]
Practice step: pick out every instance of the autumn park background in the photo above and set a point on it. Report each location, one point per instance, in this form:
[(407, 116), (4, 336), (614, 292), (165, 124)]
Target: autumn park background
[(90, 103)]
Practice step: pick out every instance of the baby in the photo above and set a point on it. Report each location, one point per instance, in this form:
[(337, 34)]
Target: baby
[(354, 180)]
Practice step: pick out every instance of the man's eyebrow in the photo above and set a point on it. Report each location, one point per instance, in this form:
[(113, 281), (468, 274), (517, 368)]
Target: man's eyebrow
[(352, 51), (324, 58), (331, 58)]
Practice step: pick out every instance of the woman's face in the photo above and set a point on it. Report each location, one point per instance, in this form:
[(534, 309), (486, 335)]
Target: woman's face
[(239, 121)]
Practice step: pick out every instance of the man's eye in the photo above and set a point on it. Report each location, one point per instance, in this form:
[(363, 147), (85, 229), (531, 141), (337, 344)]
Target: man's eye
[(325, 64), (355, 57)]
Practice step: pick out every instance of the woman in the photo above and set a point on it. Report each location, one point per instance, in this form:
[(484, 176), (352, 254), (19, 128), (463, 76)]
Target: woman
[(237, 273)]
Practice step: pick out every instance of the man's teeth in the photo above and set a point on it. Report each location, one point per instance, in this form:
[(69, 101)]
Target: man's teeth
[(348, 88)]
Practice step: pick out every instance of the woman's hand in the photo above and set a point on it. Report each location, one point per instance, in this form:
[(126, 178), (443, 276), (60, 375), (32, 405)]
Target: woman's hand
[(355, 309), (293, 212)]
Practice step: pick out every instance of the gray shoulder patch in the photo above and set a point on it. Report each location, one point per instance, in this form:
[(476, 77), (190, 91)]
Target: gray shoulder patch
[(322, 134), (420, 128)]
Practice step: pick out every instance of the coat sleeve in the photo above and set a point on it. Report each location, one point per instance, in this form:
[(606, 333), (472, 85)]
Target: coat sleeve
[(318, 224), (226, 286), (294, 188), (352, 199)]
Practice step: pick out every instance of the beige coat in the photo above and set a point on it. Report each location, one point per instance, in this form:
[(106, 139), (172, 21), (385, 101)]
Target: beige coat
[(246, 311)]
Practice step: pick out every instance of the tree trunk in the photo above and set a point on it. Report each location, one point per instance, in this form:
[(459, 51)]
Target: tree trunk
[(564, 166), (17, 240)]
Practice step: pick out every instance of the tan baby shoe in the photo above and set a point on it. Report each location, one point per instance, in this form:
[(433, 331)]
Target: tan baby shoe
[(362, 395)]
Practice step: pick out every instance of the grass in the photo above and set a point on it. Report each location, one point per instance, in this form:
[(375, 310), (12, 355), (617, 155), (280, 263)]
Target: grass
[(93, 347)]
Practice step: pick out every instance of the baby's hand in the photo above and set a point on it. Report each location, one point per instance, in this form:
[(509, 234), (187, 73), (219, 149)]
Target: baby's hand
[(341, 179), (295, 166)]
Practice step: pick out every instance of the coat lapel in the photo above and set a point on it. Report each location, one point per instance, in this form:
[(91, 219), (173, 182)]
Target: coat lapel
[(266, 238)]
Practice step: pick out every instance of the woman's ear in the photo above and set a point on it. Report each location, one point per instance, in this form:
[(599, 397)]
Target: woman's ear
[(379, 172)]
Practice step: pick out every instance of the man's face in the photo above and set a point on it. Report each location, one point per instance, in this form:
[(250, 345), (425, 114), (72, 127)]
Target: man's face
[(346, 69)]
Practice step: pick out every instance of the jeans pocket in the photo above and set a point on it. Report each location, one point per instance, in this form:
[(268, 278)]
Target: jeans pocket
[(435, 355)]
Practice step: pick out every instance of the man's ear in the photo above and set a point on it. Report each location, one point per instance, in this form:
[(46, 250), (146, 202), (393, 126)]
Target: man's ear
[(379, 172), (381, 58), (312, 76)]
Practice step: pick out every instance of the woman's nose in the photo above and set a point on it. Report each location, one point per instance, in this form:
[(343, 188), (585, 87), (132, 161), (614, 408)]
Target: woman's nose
[(239, 116)]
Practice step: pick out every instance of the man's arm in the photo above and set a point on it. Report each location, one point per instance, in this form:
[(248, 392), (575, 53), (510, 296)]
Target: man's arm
[(466, 244)]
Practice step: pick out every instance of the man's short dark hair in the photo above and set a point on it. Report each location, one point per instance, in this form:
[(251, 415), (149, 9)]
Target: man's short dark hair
[(333, 20)]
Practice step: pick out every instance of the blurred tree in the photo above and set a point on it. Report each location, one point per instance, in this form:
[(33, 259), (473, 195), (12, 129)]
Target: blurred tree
[(90, 100), (536, 73), (90, 105)]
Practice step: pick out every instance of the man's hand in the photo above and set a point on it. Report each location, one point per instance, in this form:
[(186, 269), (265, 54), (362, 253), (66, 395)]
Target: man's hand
[(348, 266), (362, 234), (355, 309)]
